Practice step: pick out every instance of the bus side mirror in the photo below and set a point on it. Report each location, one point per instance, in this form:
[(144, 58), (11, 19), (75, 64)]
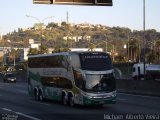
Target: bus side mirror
[(117, 73)]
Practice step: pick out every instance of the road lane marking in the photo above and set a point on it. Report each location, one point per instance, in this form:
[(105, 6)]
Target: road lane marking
[(27, 116), (1, 95), (21, 114), (6, 109)]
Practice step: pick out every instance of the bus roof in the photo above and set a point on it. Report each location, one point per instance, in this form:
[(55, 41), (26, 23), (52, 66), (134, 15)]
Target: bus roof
[(64, 53)]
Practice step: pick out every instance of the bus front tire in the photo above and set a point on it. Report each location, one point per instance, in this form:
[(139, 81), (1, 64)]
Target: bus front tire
[(70, 100), (41, 96), (36, 96)]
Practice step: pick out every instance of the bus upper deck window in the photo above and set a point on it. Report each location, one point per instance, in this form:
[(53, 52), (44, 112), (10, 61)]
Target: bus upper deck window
[(75, 61)]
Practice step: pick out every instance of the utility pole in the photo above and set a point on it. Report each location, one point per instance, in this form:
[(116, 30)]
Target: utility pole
[(67, 17), (128, 51), (106, 46), (144, 41)]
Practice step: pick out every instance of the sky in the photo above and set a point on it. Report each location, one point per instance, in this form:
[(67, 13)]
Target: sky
[(123, 13)]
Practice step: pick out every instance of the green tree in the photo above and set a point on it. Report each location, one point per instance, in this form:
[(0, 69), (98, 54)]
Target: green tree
[(151, 57), (52, 25), (120, 59), (44, 49), (39, 25), (33, 51), (63, 23), (91, 46), (134, 49), (14, 54)]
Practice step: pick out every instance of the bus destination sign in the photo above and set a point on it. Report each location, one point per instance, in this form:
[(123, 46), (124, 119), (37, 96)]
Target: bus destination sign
[(76, 2)]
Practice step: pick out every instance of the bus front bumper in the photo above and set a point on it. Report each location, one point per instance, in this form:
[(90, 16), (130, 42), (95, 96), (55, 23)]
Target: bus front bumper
[(95, 99)]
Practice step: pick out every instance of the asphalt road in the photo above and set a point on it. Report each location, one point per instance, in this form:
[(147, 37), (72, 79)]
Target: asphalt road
[(16, 104)]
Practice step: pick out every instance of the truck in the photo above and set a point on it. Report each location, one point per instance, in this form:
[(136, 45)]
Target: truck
[(138, 71), (152, 71)]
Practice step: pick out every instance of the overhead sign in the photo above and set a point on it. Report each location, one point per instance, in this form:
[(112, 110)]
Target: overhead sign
[(76, 2), (42, 2)]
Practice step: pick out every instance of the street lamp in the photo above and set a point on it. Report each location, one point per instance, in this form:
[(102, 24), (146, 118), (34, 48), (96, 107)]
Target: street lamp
[(40, 22)]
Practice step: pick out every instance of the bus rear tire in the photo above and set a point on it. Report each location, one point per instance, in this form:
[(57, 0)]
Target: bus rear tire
[(64, 99)]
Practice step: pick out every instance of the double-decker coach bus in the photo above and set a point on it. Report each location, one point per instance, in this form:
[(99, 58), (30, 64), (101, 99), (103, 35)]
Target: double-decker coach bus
[(85, 78)]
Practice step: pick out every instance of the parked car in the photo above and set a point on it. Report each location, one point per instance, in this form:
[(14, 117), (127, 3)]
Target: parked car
[(9, 77)]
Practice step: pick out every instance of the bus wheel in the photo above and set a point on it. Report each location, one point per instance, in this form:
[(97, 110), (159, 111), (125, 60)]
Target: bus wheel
[(64, 99), (36, 97), (41, 96), (71, 100)]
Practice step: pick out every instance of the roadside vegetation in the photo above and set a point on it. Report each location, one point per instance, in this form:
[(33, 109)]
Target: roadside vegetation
[(124, 45)]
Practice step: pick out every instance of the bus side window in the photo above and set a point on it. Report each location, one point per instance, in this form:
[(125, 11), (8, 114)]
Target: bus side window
[(64, 83), (75, 61), (65, 63), (79, 80)]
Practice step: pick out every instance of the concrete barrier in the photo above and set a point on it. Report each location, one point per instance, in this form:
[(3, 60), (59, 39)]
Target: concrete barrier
[(147, 87)]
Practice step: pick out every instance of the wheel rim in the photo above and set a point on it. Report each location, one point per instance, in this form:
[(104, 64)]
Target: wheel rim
[(36, 95), (71, 101), (64, 100), (40, 97)]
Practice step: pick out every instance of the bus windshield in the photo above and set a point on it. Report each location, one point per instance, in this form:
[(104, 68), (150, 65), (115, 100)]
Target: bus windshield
[(95, 61), (100, 83)]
